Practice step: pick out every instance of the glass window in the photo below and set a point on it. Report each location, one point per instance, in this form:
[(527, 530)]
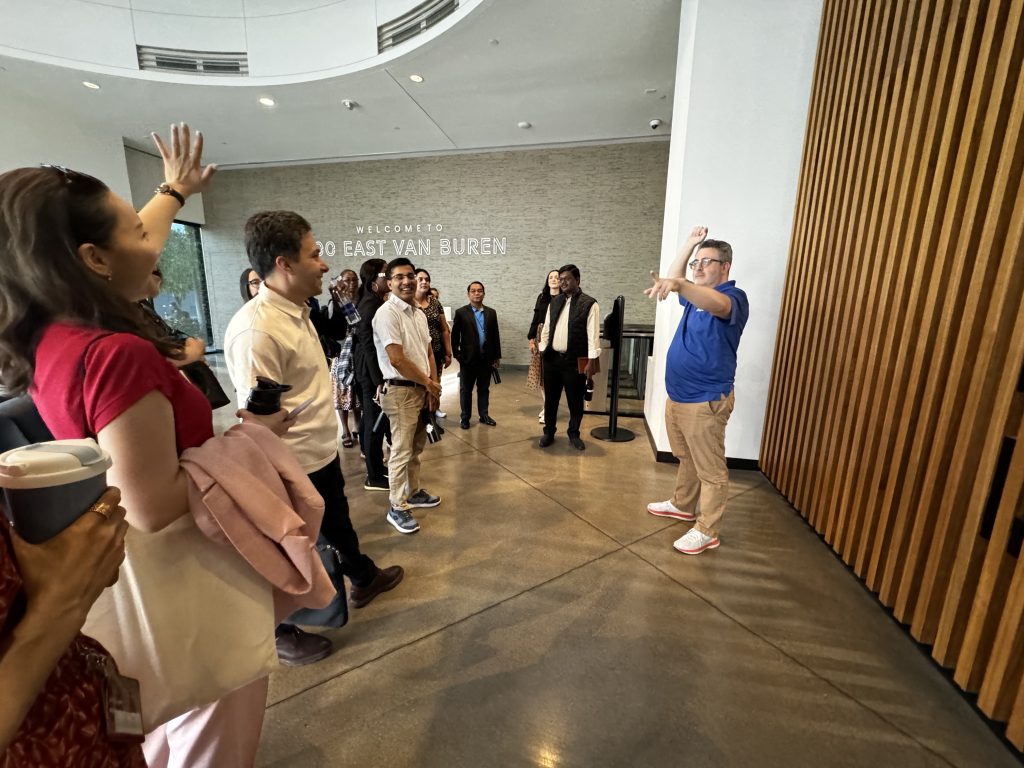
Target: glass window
[(183, 302)]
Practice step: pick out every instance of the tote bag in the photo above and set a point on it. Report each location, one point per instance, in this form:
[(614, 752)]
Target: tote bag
[(188, 618)]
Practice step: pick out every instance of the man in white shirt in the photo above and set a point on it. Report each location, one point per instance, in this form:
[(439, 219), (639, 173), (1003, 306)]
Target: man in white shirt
[(272, 336), (402, 341), (571, 334)]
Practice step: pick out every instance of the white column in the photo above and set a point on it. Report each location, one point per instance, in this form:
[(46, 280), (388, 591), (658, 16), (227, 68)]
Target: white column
[(743, 81)]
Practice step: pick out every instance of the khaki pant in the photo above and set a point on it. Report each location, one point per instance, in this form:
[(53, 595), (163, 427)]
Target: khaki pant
[(696, 432), (408, 437)]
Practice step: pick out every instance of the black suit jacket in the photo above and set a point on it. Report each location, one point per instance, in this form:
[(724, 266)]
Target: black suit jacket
[(364, 351), (466, 337)]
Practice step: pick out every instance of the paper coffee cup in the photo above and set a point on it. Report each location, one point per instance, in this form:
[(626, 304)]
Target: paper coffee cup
[(47, 486)]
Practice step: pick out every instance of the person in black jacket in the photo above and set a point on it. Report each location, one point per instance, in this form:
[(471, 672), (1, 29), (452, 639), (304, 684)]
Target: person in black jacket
[(571, 344), (476, 344), (373, 289), (534, 377)]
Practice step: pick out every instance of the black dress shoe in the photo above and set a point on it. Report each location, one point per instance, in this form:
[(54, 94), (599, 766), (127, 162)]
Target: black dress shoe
[(464, 424), (546, 440), (578, 444), (385, 580), (488, 421), (296, 648)]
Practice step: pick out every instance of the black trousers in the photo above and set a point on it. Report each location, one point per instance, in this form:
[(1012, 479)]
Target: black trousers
[(561, 372), (337, 525), (372, 442), (478, 375)]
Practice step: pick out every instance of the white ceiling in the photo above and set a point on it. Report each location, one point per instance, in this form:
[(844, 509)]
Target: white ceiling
[(577, 70)]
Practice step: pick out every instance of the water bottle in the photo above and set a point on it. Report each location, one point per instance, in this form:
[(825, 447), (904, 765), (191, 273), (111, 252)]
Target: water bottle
[(589, 394), (351, 313)]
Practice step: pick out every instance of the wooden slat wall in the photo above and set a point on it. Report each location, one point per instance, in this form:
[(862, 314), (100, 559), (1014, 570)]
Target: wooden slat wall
[(895, 411)]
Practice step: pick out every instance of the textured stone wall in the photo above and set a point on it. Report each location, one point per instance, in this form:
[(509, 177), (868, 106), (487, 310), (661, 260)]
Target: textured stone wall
[(598, 207)]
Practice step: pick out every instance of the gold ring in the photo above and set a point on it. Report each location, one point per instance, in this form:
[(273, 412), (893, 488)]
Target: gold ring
[(102, 508)]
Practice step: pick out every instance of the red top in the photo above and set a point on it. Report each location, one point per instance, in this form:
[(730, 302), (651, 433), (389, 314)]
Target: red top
[(64, 727), (87, 377)]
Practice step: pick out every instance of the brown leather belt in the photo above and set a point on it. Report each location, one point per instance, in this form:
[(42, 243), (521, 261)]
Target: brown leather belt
[(402, 383)]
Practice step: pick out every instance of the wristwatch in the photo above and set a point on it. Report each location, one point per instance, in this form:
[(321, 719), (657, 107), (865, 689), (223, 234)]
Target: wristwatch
[(167, 189)]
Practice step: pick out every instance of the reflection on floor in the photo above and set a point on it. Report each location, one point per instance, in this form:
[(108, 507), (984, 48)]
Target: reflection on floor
[(546, 620)]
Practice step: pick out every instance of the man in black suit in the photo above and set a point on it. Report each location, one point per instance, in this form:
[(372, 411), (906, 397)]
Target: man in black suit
[(476, 344)]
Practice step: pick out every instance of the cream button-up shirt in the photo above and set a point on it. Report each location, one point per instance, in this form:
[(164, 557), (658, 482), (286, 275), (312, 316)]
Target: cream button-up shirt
[(559, 340), (272, 336), (399, 322)]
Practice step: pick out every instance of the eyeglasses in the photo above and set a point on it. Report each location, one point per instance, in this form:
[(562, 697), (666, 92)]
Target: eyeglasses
[(704, 261), (404, 276), (256, 282)]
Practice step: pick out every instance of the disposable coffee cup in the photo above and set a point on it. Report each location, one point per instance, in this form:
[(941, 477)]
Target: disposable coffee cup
[(47, 486)]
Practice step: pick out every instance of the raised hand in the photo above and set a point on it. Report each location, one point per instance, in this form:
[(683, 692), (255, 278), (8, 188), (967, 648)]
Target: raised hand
[(183, 161), (697, 235)]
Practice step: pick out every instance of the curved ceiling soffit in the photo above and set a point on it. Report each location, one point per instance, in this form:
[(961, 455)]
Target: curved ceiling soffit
[(466, 7)]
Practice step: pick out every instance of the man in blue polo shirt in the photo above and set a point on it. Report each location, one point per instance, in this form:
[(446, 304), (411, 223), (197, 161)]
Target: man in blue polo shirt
[(699, 377)]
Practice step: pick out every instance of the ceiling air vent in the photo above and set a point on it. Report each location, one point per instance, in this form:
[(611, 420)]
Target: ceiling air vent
[(408, 25), (193, 62)]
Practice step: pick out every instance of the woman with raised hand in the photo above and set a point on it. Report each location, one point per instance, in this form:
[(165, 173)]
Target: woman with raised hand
[(74, 261)]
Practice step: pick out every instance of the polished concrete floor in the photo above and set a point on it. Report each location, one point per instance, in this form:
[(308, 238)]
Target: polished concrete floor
[(545, 620)]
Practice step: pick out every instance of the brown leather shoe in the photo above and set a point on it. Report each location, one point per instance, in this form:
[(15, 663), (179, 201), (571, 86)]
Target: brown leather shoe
[(296, 648), (386, 579)]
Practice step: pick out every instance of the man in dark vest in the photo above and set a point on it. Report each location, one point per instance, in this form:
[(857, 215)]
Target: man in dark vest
[(570, 343), (476, 344)]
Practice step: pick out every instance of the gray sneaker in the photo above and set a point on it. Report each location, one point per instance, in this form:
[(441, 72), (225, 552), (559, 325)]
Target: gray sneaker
[(402, 520), (422, 498)]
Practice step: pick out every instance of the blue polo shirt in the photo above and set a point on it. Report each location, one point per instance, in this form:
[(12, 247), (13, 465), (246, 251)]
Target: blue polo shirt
[(701, 364)]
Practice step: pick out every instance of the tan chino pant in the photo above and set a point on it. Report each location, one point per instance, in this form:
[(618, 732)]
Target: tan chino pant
[(408, 437), (696, 432)]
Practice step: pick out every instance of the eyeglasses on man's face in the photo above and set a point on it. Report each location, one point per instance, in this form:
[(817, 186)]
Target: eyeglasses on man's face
[(255, 282), (704, 261)]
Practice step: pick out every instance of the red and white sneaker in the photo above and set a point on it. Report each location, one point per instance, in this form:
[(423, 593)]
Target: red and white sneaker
[(693, 542), (668, 509)]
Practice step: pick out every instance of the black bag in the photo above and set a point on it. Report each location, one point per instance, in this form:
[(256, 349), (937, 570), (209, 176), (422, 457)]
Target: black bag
[(336, 613), (200, 374)]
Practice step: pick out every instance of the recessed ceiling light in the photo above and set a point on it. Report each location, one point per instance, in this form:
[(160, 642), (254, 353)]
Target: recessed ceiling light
[(416, 78), (90, 86), (266, 101), (524, 124), (649, 91)]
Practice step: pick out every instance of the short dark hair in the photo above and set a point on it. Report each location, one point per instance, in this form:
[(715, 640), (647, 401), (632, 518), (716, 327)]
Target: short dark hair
[(570, 268), (723, 248), (475, 282), (401, 261), (421, 269), (270, 234), (243, 284)]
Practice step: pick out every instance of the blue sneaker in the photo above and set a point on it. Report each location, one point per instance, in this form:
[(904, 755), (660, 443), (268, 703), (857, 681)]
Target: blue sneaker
[(423, 499), (402, 520)]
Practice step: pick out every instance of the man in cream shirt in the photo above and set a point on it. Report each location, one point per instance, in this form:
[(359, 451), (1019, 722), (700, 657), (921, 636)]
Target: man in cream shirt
[(575, 318), (272, 336)]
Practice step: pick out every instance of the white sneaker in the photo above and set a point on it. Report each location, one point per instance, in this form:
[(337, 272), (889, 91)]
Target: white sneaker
[(440, 414), (693, 542), (668, 509)]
